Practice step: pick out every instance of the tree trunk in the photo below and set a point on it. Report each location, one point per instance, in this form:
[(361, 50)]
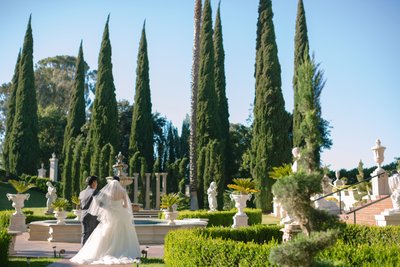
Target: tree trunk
[(194, 205)]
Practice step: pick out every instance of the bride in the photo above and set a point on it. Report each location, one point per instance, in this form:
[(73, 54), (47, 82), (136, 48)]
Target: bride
[(114, 241)]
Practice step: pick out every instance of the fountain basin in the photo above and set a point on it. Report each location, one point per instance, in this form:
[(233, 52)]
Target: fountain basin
[(149, 231)]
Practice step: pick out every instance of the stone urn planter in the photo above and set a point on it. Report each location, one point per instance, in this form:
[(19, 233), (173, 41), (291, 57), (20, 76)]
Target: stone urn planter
[(18, 202), (168, 202), (60, 205), (243, 187), (171, 216), (17, 220), (60, 215), (78, 214)]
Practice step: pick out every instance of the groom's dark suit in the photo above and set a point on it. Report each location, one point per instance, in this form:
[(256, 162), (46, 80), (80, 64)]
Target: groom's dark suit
[(89, 222)]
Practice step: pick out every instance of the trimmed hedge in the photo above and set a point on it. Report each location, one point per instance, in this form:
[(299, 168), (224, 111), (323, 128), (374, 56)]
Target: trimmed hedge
[(220, 218), (40, 183), (197, 247), (5, 240), (30, 217), (5, 218), (250, 246)]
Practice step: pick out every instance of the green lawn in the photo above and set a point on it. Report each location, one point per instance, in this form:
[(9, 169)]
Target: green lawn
[(270, 219), (36, 199)]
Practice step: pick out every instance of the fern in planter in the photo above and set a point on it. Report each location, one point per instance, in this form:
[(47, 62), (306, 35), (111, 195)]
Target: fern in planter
[(76, 201), (21, 186), (60, 204), (243, 186), (168, 200)]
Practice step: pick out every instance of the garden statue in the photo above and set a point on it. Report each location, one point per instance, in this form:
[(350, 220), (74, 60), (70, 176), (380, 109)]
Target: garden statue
[(212, 196), (51, 196), (296, 156), (394, 184)]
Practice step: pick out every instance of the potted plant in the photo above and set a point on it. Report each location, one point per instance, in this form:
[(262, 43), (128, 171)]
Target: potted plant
[(19, 198), (168, 202), (60, 205), (77, 211), (243, 188)]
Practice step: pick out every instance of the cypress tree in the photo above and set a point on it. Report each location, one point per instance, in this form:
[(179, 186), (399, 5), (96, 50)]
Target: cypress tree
[(106, 161), (301, 53), (76, 114), (207, 120), (141, 138), (222, 102), (24, 148), (184, 138), (103, 126), (10, 114), (67, 177), (76, 165), (270, 132), (207, 105)]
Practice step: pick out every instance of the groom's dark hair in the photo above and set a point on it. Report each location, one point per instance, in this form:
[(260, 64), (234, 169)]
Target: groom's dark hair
[(116, 178), (91, 179)]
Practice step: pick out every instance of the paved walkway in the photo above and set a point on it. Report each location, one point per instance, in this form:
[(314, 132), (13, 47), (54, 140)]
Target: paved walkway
[(40, 249)]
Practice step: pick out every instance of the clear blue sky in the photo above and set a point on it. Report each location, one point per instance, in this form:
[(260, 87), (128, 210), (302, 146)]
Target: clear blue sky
[(357, 43)]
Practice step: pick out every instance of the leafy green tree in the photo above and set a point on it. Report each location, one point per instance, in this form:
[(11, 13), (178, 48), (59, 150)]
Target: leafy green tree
[(24, 149), (270, 143), (222, 104), (54, 78), (301, 52), (10, 114), (76, 114), (103, 125), (141, 138), (51, 126), (240, 136)]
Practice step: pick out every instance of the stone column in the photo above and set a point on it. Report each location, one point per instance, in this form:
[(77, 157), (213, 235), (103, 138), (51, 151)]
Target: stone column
[(380, 184), (164, 182), (42, 172), (157, 190), (147, 199), (54, 168), (135, 187)]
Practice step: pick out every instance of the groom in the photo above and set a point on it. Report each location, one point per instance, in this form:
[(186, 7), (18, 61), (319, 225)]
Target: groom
[(89, 222)]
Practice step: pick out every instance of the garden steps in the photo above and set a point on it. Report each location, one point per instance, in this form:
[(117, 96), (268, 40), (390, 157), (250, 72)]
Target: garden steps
[(146, 214), (366, 215)]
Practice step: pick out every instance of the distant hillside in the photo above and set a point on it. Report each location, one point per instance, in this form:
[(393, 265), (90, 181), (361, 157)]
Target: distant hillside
[(36, 199)]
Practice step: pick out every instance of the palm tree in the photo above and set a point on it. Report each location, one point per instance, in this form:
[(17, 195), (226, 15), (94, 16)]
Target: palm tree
[(194, 205)]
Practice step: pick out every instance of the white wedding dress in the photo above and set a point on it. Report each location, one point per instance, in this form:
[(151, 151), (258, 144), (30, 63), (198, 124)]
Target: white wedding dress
[(114, 241)]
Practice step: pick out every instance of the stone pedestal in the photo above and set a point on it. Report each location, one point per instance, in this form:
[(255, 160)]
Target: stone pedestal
[(11, 247), (240, 220), (17, 223), (42, 172), (388, 217), (380, 184), (54, 168), (290, 231)]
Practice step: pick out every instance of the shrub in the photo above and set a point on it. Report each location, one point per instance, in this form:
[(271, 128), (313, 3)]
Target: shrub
[(5, 240), (221, 218), (302, 250), (5, 218), (197, 247)]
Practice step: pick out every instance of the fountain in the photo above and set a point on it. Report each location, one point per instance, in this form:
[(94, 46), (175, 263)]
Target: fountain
[(149, 231)]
